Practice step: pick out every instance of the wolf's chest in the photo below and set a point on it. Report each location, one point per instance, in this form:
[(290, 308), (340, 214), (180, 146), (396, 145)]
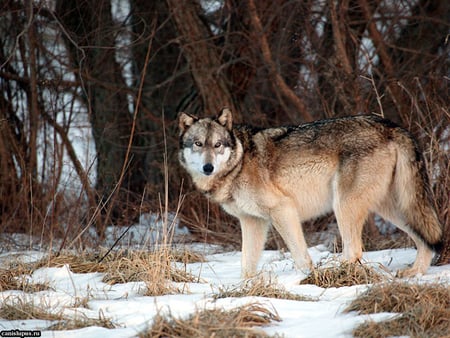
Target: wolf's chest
[(245, 203)]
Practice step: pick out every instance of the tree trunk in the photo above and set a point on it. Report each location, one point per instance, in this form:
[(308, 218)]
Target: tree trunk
[(203, 57), (166, 84), (91, 44)]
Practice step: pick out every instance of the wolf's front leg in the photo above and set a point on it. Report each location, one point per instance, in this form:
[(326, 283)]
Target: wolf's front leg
[(254, 234), (286, 222)]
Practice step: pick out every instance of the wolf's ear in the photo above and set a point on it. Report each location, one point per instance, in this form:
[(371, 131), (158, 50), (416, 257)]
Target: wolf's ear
[(225, 118), (185, 121)]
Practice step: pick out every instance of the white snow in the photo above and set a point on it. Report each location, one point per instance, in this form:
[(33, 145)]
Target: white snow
[(150, 231), (131, 312)]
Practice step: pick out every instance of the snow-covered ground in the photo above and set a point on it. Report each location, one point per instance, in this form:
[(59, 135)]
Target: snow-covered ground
[(131, 312)]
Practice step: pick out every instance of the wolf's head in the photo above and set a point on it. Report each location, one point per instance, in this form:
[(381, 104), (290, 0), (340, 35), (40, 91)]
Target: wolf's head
[(206, 144)]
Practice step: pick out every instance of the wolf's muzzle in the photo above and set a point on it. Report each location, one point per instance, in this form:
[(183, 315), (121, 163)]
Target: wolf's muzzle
[(208, 168)]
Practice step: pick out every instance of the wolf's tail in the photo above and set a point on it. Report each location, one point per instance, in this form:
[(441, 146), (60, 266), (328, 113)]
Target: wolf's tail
[(413, 193)]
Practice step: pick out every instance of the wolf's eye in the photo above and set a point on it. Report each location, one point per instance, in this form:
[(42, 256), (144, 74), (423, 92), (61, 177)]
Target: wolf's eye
[(218, 144), (198, 143)]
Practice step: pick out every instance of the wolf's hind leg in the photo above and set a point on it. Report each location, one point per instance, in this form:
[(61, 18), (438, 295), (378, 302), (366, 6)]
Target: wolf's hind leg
[(286, 221), (350, 228), (422, 262), (424, 253), (350, 216), (254, 234), (360, 182)]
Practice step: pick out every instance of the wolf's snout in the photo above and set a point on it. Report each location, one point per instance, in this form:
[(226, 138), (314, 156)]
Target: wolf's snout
[(208, 168)]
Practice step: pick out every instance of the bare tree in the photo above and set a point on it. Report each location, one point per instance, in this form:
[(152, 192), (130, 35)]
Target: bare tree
[(32, 142), (273, 62)]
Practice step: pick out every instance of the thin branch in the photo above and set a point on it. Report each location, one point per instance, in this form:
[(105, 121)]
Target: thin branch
[(267, 56), (385, 58), (73, 157), (339, 40), (133, 128)]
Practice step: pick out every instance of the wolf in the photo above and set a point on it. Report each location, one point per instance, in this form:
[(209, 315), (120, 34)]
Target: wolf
[(286, 175)]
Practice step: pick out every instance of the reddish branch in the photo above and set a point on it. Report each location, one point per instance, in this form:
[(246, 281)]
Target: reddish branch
[(385, 58), (62, 132), (339, 40), (278, 81), (33, 97)]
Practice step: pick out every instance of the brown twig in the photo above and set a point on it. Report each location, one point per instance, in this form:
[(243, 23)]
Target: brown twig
[(267, 56), (132, 133)]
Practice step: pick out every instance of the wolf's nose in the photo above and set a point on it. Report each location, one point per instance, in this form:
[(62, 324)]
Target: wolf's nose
[(208, 168)]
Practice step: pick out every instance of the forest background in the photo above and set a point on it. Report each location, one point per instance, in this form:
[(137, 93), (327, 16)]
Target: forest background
[(90, 91)]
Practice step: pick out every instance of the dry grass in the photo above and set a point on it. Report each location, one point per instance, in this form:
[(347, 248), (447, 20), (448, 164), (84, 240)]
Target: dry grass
[(20, 309), (79, 323), (424, 310), (187, 256), (155, 268), (144, 266), (239, 322), (261, 287), (85, 262), (13, 279), (343, 274), (82, 262)]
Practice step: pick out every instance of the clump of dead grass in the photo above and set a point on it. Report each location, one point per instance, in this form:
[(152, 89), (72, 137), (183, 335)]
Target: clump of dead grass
[(219, 323), (20, 309), (260, 287), (144, 266), (80, 262), (81, 322), (342, 274), (424, 310), (85, 262), (23, 309), (187, 256), (155, 268), (14, 279)]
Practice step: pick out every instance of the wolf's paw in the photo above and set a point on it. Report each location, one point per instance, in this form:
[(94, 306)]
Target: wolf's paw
[(411, 272), (307, 270), (305, 267)]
